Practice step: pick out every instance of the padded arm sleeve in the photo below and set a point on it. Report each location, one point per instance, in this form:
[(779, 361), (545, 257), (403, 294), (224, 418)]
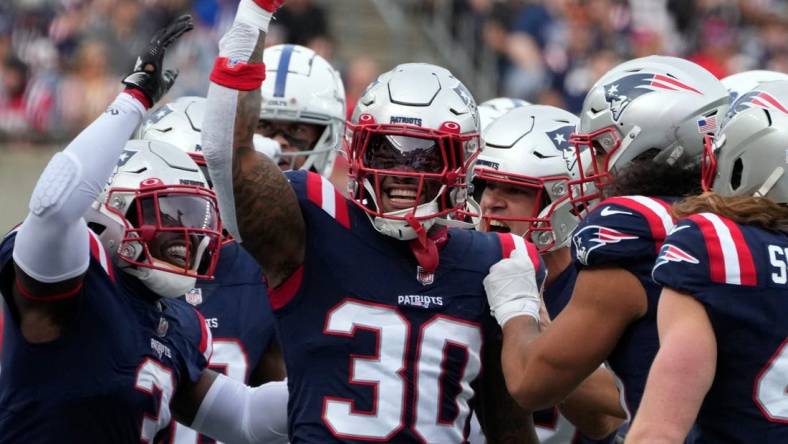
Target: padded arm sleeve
[(52, 243), (234, 412), (218, 130)]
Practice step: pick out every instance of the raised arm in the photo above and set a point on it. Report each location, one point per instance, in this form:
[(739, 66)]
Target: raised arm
[(51, 250), (257, 204)]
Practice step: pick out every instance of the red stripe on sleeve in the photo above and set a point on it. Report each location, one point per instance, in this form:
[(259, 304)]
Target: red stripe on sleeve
[(314, 188), (713, 247), (284, 293), (49, 297), (507, 244), (533, 253), (205, 336), (747, 273), (654, 221)]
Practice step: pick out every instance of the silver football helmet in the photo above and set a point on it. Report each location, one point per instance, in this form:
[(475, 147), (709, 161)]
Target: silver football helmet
[(303, 87), (411, 133), (656, 107), (739, 83), (495, 108), (751, 150), (179, 123), (529, 147), (157, 216)]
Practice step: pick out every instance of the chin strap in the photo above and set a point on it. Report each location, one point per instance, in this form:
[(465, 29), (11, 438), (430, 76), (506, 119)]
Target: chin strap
[(425, 247)]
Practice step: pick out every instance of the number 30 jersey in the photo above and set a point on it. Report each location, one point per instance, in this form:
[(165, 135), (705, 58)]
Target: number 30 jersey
[(377, 350), (740, 275), (111, 374)]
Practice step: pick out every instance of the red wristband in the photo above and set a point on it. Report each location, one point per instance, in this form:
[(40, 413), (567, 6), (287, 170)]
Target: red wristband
[(140, 96), (238, 75), (269, 5)]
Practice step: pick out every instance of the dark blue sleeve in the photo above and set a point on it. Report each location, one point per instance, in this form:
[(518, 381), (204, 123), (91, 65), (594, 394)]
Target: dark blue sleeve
[(194, 342), (612, 235), (682, 263)]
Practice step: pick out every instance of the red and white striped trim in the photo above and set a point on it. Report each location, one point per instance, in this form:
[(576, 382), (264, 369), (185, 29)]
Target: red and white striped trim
[(206, 338), (511, 242), (323, 194), (730, 259), (655, 211), (13, 230), (98, 252)]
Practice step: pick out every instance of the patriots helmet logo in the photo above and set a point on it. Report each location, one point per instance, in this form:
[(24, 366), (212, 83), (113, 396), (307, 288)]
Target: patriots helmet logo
[(594, 236), (672, 253), (753, 99), (621, 92), (560, 139)]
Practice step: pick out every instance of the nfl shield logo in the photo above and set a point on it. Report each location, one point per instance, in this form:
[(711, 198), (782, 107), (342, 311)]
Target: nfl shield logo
[(161, 330), (423, 276), (194, 296)]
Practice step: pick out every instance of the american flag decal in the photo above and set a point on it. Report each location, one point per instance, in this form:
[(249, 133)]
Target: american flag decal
[(707, 124)]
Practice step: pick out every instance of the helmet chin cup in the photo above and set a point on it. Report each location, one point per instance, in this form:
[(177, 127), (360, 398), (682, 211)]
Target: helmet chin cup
[(163, 283), (398, 225)]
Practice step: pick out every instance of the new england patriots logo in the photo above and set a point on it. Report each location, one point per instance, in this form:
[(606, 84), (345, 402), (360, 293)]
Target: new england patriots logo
[(672, 253), (755, 98), (560, 139), (623, 91), (594, 236)]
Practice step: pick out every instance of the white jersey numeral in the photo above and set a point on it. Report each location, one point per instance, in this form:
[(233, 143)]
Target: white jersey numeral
[(153, 377), (771, 387), (229, 358), (384, 371), (778, 257)]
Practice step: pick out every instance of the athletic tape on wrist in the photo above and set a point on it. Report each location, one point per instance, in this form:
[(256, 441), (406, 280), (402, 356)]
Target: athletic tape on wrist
[(253, 15)]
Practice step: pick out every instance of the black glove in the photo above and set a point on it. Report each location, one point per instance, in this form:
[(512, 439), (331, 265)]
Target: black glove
[(148, 75)]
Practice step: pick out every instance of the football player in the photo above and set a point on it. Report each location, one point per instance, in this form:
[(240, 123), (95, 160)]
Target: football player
[(492, 109), (382, 316), (303, 108), (643, 123), (723, 356), (235, 302), (520, 184), (97, 347)]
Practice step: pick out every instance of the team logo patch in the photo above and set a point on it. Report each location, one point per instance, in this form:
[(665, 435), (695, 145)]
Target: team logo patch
[(755, 99), (560, 139), (424, 276), (161, 329), (194, 296), (672, 253), (628, 88), (594, 236), (419, 301)]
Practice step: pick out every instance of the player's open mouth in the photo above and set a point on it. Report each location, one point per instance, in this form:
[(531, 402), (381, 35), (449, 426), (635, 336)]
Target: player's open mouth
[(402, 197), (495, 226), (176, 253)]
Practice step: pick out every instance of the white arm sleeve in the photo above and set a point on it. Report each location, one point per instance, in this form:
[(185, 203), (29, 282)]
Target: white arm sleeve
[(236, 413), (52, 243), (219, 121)]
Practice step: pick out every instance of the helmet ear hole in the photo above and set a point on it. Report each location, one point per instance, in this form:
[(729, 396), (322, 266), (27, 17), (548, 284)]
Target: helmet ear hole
[(736, 173), (97, 228)]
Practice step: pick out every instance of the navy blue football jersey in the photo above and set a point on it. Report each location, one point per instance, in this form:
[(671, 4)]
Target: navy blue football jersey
[(111, 374), (740, 275), (236, 308), (627, 232), (377, 349)]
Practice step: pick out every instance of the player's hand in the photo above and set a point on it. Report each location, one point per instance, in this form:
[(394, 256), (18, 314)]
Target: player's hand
[(149, 75), (511, 288)]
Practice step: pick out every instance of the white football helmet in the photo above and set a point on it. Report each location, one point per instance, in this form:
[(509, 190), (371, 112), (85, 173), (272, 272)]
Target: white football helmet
[(179, 123), (303, 87), (529, 147), (157, 216), (750, 152), (495, 108), (739, 83), (416, 123), (654, 107)]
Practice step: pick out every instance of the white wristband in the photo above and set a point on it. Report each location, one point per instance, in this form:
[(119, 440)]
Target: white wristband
[(253, 15)]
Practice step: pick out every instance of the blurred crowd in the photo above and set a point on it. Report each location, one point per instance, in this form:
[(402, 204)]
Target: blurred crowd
[(60, 60), (552, 51)]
